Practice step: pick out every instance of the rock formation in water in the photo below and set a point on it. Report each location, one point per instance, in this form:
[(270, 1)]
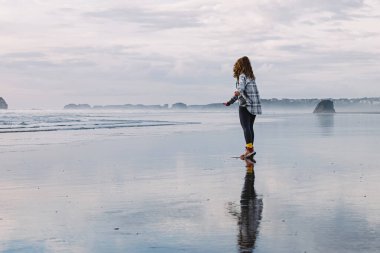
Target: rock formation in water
[(3, 104), (325, 106), (179, 106), (77, 106)]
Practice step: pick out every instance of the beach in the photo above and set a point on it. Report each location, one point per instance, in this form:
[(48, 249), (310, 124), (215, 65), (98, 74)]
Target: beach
[(174, 186)]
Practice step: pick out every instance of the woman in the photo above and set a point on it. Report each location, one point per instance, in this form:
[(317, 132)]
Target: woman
[(249, 102)]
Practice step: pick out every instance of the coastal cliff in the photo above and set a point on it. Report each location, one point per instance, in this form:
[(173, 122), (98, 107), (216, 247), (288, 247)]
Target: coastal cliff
[(3, 104)]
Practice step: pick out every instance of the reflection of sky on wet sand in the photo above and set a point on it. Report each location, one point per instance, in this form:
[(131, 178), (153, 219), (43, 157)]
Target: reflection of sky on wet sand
[(106, 200), (319, 191), (322, 190)]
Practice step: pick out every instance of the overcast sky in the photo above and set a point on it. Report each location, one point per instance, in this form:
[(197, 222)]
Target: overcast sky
[(55, 52)]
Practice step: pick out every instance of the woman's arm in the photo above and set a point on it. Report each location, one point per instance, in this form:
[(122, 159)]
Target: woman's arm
[(231, 101)]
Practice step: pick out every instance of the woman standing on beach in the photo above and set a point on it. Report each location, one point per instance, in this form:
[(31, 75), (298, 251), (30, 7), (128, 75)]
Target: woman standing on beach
[(249, 102)]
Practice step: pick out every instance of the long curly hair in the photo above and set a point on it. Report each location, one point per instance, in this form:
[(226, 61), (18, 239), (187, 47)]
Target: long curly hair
[(243, 66)]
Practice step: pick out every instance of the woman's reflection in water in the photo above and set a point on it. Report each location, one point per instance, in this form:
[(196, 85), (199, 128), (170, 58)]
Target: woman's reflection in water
[(251, 209)]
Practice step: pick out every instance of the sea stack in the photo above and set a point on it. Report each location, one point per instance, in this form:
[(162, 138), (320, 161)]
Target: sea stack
[(179, 106), (325, 106), (3, 104)]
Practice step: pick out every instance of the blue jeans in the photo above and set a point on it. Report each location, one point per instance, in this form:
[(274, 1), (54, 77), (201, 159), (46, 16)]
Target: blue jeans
[(247, 120)]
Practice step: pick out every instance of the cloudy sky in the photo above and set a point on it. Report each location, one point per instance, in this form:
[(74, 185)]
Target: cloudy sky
[(54, 52)]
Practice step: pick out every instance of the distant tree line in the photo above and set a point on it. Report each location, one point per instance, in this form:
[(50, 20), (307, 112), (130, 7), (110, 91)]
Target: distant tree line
[(273, 102)]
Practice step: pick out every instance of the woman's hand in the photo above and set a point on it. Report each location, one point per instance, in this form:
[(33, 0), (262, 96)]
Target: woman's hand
[(237, 93)]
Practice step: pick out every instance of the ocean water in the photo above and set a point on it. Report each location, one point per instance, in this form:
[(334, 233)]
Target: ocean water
[(44, 121), (27, 128), (174, 186)]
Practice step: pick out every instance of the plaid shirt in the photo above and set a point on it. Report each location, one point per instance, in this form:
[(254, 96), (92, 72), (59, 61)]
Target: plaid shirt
[(249, 95)]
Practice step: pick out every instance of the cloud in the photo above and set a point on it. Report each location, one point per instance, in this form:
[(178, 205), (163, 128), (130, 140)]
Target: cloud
[(23, 55), (151, 19), (292, 10)]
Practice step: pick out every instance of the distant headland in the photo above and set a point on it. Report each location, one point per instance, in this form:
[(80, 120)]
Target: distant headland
[(3, 104), (345, 104)]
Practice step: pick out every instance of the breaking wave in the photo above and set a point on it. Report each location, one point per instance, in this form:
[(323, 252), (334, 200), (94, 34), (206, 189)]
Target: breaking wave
[(18, 122)]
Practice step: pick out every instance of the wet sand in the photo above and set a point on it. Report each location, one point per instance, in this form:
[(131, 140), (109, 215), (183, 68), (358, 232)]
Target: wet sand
[(314, 189)]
